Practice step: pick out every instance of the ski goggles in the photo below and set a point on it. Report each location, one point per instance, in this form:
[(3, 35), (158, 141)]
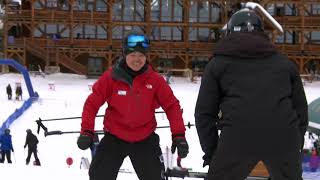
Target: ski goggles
[(137, 40)]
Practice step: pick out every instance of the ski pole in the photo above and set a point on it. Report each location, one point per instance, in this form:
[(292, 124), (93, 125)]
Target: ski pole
[(79, 117), (67, 118), (58, 132), (68, 132), (189, 125), (179, 161), (14, 157)]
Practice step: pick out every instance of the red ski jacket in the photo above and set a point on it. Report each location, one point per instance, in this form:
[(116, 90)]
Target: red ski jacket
[(130, 114)]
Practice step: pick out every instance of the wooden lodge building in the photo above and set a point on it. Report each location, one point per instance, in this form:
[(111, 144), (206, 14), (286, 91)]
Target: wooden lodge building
[(85, 36)]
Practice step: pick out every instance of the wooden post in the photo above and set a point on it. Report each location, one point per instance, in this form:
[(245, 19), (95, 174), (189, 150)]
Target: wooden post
[(186, 7), (302, 14), (71, 21), (147, 15), (32, 20), (109, 32)]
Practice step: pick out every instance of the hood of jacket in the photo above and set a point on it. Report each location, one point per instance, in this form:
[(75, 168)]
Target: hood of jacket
[(245, 45)]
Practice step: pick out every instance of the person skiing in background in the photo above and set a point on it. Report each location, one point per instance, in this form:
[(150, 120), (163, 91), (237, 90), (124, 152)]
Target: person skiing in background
[(254, 95), (6, 146), (18, 93), (133, 90), (32, 142), (9, 92)]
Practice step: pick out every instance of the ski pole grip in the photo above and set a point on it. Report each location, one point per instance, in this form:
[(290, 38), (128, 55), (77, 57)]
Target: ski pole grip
[(53, 133)]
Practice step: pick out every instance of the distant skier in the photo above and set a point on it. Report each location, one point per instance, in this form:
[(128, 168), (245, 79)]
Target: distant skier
[(133, 90), (6, 146), (18, 93), (254, 95), (9, 92), (32, 142), (41, 72)]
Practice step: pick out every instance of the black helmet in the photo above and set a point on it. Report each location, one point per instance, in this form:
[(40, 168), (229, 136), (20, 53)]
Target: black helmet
[(7, 131), (136, 42), (28, 131), (244, 20)]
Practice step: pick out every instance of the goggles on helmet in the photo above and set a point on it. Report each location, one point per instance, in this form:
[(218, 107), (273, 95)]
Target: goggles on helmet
[(137, 40)]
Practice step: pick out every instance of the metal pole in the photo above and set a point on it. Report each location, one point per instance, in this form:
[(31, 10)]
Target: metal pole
[(79, 117)]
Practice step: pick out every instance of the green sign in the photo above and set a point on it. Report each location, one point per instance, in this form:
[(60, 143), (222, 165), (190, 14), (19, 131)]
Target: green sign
[(314, 116)]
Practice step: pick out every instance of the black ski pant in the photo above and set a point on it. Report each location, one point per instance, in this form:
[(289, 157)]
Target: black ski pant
[(9, 96), (5, 153), (146, 158), (281, 168), (30, 152)]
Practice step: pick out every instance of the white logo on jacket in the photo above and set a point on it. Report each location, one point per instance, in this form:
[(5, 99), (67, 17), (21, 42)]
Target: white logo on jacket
[(149, 86), (122, 92)]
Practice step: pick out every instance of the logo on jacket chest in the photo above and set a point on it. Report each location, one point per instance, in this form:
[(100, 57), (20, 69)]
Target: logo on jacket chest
[(122, 92), (148, 86)]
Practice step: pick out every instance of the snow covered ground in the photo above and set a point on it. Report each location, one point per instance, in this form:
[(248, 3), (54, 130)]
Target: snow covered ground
[(67, 101)]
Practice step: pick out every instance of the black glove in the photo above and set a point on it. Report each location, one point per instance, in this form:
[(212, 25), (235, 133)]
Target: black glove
[(12, 150), (24, 146), (179, 142), (85, 140), (206, 160)]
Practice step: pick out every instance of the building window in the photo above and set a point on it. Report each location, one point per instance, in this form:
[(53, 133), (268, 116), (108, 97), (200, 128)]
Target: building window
[(316, 9), (79, 5), (101, 5), (101, 32), (52, 3), (315, 37)]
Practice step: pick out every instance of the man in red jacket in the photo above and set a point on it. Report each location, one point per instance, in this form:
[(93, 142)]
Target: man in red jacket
[(133, 90)]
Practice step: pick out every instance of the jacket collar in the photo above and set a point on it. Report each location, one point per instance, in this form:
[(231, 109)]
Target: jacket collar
[(245, 45), (119, 73)]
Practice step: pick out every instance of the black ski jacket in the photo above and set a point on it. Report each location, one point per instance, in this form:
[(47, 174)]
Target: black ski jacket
[(31, 141), (260, 97), (9, 90), (18, 90)]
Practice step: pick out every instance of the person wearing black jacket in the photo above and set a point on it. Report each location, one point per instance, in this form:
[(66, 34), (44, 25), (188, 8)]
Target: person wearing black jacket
[(254, 95), (32, 142), (18, 93), (9, 92)]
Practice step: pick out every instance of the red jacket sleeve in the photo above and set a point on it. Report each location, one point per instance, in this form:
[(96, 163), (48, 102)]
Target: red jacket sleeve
[(171, 106), (101, 91)]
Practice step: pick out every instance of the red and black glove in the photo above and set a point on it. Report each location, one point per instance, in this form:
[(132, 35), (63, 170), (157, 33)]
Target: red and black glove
[(179, 142), (85, 139)]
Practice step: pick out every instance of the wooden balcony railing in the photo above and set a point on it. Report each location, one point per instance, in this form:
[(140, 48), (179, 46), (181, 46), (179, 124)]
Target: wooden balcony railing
[(297, 49), (57, 15), (297, 21), (157, 47)]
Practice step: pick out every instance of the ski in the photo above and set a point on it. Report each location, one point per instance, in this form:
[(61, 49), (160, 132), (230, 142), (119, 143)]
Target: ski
[(183, 173), (179, 172), (126, 171)]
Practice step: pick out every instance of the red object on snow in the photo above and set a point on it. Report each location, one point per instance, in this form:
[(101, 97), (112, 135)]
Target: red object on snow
[(69, 161)]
